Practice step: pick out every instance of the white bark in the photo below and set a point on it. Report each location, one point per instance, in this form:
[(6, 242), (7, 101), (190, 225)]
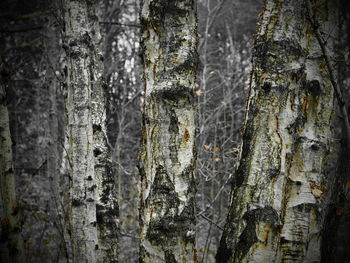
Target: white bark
[(79, 39), (286, 172), (168, 156)]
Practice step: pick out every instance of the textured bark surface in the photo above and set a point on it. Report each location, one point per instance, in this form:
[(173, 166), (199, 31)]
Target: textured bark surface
[(168, 154), (107, 206), (285, 179), (79, 44), (11, 239)]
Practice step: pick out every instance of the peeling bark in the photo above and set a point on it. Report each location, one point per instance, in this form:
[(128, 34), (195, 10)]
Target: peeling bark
[(168, 153), (285, 179)]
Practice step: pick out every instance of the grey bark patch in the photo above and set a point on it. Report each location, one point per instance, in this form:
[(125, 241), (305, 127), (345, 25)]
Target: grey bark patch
[(92, 188), (265, 214), (169, 257), (306, 207), (224, 253), (272, 55), (267, 87), (252, 217), (162, 183), (314, 147), (96, 128), (273, 172), (102, 212), (314, 88), (243, 168), (166, 11), (174, 123), (162, 229), (190, 63), (187, 172), (165, 201), (97, 152), (174, 94), (297, 124), (246, 240), (77, 202)]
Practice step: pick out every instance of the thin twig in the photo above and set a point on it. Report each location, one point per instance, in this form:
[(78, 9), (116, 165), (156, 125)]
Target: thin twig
[(217, 195), (211, 221)]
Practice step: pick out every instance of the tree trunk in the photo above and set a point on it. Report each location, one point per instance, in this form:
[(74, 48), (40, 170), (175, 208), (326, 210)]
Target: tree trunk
[(107, 206), (285, 178), (10, 221), (168, 153), (80, 75)]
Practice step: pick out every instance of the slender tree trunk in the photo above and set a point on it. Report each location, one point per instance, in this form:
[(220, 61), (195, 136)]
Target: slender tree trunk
[(107, 206), (10, 221), (285, 179), (168, 153), (80, 75)]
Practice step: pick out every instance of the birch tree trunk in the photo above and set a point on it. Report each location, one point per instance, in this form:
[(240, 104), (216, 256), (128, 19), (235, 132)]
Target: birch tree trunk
[(10, 221), (168, 153), (107, 206), (287, 170), (80, 75)]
